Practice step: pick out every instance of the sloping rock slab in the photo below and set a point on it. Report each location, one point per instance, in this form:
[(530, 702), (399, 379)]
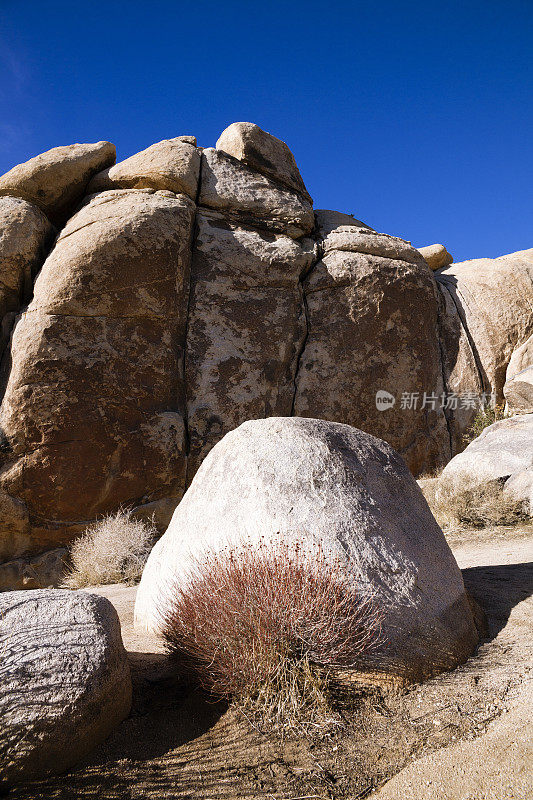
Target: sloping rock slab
[(501, 450)]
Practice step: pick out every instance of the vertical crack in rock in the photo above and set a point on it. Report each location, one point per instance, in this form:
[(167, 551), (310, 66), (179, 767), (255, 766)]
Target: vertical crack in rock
[(449, 287), (304, 312), (445, 385), (187, 434)]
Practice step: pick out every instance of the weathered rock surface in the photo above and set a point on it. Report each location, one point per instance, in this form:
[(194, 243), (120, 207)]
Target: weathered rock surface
[(57, 179), (520, 486), (25, 236), (372, 325), (521, 359), (493, 297), (248, 197), (499, 452), (129, 363), (172, 164), (462, 378), (436, 256), (46, 569), (25, 233), (262, 152), (518, 391), (246, 327), (92, 414), (308, 481), (64, 680)]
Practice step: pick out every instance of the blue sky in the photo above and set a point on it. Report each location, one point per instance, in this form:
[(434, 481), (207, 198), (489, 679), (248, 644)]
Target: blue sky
[(417, 117)]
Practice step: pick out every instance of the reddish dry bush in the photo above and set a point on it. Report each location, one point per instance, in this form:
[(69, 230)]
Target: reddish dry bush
[(265, 625)]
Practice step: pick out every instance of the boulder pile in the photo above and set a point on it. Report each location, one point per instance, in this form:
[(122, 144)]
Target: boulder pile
[(150, 307)]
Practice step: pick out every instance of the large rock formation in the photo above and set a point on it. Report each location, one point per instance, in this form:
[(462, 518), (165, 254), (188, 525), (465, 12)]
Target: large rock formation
[(189, 290), (303, 482), (494, 300), (64, 680), (371, 310)]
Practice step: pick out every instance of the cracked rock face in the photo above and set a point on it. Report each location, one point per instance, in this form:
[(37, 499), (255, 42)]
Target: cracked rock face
[(192, 289)]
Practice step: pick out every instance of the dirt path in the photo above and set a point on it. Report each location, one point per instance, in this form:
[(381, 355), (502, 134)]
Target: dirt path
[(465, 735)]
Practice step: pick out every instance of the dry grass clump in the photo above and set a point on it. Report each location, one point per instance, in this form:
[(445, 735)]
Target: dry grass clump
[(264, 626), (459, 501), (112, 550)]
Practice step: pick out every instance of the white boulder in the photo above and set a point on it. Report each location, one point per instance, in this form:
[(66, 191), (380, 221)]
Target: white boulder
[(310, 481)]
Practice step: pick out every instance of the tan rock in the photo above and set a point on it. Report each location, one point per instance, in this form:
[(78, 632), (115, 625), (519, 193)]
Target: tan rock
[(499, 452), (14, 527), (262, 152), (246, 326), (248, 197), (65, 680), (521, 359), (436, 256), (520, 487), (519, 391), (356, 237), (495, 300), (57, 179), (372, 326), (47, 569), (92, 414), (303, 481), (25, 236), (173, 164), (462, 377), (328, 222)]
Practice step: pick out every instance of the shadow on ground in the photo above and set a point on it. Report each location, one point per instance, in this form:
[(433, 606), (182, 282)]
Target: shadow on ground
[(175, 744)]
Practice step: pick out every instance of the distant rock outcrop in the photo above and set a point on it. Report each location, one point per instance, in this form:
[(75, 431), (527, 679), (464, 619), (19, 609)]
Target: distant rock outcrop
[(191, 289)]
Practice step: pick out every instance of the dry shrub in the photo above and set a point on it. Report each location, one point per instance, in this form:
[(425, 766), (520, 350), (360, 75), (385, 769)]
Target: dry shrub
[(264, 626), (460, 501), (112, 550), (486, 416)]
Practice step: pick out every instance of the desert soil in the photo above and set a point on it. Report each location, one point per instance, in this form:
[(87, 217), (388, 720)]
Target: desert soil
[(465, 735)]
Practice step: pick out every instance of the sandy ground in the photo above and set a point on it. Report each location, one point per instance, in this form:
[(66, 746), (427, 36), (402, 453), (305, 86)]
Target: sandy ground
[(465, 735)]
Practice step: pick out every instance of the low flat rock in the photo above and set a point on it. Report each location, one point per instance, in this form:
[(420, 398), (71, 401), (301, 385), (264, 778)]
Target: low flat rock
[(55, 180), (64, 680), (173, 164), (228, 185), (501, 450), (305, 481), (518, 392), (262, 152), (346, 234)]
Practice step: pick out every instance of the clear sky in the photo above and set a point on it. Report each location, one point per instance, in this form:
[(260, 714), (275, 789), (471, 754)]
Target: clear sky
[(417, 117)]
